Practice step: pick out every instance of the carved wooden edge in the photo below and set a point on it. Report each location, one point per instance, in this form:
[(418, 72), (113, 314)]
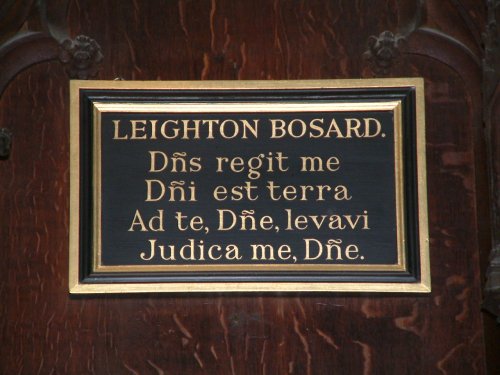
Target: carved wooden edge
[(386, 49), (80, 56), (491, 104), (492, 289), (383, 52), (20, 49)]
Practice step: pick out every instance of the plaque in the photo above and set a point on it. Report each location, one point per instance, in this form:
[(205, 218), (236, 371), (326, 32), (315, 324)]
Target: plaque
[(248, 186)]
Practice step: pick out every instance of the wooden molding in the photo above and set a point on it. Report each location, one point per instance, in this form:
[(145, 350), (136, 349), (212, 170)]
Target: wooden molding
[(491, 112)]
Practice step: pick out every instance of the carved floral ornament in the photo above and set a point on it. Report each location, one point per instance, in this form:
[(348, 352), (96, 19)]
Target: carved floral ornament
[(81, 56), (383, 50)]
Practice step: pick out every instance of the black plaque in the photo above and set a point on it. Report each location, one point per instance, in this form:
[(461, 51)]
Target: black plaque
[(248, 186)]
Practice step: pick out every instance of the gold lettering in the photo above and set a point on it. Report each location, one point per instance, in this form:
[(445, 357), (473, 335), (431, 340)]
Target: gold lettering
[(369, 132), (334, 129), (164, 127), (116, 136), (138, 129), (353, 125)]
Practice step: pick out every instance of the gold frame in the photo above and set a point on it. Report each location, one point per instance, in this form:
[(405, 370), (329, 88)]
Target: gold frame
[(99, 108)]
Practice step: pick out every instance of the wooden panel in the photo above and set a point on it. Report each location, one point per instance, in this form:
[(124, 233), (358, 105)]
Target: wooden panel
[(44, 330)]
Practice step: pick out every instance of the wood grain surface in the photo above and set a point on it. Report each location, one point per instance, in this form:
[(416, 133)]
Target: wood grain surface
[(44, 330)]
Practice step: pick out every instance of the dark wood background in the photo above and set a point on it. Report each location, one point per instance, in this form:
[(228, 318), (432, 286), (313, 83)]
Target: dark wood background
[(44, 330)]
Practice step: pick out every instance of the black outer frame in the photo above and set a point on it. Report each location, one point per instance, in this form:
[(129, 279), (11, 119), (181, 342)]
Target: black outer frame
[(407, 96)]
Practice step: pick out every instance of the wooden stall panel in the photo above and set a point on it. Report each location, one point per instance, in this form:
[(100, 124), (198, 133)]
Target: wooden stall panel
[(45, 330)]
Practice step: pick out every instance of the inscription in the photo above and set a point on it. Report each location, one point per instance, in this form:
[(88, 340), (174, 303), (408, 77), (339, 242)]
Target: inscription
[(192, 129), (252, 189)]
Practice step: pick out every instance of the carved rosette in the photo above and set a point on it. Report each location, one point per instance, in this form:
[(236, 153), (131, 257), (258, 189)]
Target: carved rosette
[(81, 57), (383, 51)]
